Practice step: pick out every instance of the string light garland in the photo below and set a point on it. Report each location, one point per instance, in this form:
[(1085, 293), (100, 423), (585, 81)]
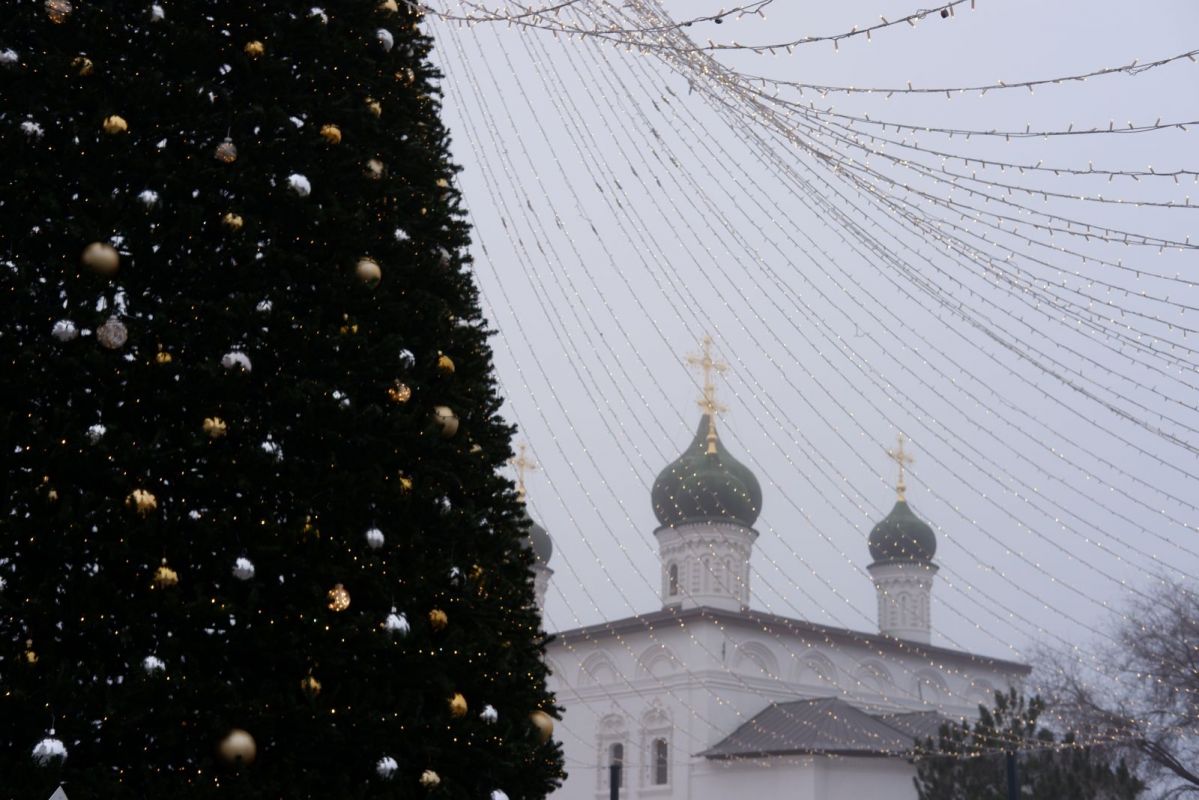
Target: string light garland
[(1135, 67), (574, 347)]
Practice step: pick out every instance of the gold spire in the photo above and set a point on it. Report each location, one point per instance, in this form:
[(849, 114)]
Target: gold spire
[(900, 457), (523, 465), (707, 400)]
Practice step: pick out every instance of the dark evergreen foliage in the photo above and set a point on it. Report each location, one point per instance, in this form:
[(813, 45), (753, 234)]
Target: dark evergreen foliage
[(969, 762), (316, 452)]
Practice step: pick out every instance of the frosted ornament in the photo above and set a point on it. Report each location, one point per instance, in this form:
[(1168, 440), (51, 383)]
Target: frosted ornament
[(148, 198), (386, 39), (226, 152), (112, 334), (374, 538), (8, 57), (407, 359), (152, 664), (299, 184), (319, 14), (58, 10), (489, 714), (157, 14), (386, 767), (236, 359), (243, 569), (64, 330), (95, 433), (32, 129), (396, 624), (49, 749), (498, 794)]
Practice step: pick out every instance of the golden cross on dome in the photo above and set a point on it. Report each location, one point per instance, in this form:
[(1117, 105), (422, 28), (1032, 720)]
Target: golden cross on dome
[(900, 457), (707, 400), (523, 465)]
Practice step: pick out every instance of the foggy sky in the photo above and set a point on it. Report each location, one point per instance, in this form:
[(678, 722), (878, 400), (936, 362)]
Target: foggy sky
[(618, 218)]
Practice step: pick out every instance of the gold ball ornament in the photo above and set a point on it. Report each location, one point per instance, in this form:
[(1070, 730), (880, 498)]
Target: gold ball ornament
[(445, 364), (238, 748), (226, 152), (430, 779), (446, 420), (339, 598), (458, 707), (142, 501), (254, 49), (388, 7), (163, 357), (399, 393), (58, 10), (83, 66), (331, 134), (30, 653), (544, 724), (233, 221), (165, 577), (438, 619), (101, 258), (115, 124), (310, 686), (215, 427), (405, 484), (369, 272), (374, 106)]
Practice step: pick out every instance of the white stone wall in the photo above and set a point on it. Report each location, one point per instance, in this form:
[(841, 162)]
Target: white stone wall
[(904, 595), (696, 684), (705, 564)]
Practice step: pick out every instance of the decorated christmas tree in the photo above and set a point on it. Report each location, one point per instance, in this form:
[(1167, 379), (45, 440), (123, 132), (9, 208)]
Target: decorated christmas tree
[(255, 542)]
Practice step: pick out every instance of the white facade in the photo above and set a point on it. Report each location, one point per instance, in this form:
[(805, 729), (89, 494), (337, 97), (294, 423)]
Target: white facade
[(904, 595), (705, 564), (692, 677)]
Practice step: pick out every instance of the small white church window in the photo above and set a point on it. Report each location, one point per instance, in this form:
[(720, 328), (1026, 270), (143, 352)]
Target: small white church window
[(661, 755), (673, 580)]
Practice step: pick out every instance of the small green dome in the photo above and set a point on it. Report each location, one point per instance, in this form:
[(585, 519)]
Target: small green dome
[(902, 536), (538, 539), (700, 486)]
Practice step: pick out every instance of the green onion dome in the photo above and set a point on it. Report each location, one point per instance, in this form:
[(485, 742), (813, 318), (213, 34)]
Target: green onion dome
[(538, 538), (706, 484), (902, 536)]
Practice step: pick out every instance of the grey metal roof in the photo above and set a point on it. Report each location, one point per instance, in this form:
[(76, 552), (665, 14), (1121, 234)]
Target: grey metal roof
[(920, 725), (825, 725), (778, 625)]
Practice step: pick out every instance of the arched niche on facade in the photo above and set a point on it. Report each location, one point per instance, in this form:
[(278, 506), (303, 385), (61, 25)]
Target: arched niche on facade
[(756, 658), (657, 661), (816, 669), (872, 676), (931, 687), (597, 669)]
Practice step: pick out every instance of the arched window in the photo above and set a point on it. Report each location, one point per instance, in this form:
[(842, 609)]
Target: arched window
[(616, 764), (673, 580), (661, 756)]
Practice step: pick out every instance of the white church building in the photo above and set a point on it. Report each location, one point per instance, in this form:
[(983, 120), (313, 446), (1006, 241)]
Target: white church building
[(708, 699)]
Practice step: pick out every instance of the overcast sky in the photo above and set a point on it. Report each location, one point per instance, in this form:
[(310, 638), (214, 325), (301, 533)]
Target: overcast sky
[(619, 217)]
